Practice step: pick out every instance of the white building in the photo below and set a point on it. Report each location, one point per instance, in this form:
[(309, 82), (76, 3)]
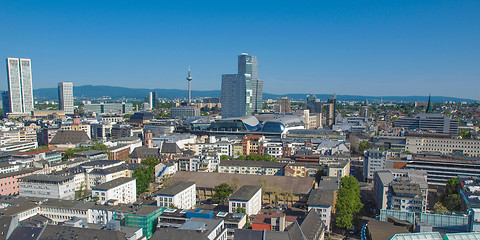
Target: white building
[(375, 160), (122, 189), (246, 197), (19, 98), (65, 97), (180, 194), (469, 147), (47, 186)]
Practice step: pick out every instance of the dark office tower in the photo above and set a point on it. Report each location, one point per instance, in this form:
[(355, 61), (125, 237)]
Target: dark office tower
[(331, 104), (242, 93), (152, 99)]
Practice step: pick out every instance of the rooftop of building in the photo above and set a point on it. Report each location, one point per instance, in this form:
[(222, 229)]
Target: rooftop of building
[(319, 197), (69, 137), (245, 193), (113, 184), (16, 173), (406, 187), (46, 178), (244, 163), (175, 188), (295, 185)]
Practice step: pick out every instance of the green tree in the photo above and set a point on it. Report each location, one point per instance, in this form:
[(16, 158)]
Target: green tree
[(439, 208), (224, 157), (144, 176), (464, 134), (451, 196), (362, 146), (222, 192), (242, 210), (348, 202)]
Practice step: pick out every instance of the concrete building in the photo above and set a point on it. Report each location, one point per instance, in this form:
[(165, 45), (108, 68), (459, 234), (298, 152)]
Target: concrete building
[(247, 197), (184, 112), (180, 194), (401, 189), (123, 190), (65, 97), (252, 167), (108, 108), (283, 105), (431, 122), (9, 181), (19, 98), (47, 186), (375, 160), (467, 147)]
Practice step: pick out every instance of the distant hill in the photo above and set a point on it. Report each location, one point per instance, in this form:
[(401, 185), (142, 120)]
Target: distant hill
[(89, 91)]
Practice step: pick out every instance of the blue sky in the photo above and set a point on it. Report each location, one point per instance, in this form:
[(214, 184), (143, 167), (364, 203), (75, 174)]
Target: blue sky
[(391, 47)]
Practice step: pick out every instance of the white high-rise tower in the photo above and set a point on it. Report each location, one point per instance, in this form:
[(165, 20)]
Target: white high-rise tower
[(65, 97), (20, 89)]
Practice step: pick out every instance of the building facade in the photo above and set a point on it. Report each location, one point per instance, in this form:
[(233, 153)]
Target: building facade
[(47, 186), (123, 189), (180, 194), (247, 197)]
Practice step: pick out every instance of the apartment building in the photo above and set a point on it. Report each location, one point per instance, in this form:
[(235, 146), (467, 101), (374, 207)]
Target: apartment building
[(123, 190), (247, 197), (179, 194), (468, 147), (252, 167)]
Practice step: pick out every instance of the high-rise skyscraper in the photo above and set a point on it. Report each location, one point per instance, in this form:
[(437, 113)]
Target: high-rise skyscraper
[(242, 93), (65, 97), (20, 90)]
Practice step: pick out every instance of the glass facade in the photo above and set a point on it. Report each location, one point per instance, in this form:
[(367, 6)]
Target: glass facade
[(20, 90)]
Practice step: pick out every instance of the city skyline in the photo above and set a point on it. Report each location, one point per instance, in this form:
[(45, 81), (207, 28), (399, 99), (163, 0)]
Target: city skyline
[(376, 48)]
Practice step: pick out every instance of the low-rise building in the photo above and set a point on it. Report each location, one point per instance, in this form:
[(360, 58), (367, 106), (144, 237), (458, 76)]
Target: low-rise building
[(179, 194), (47, 186), (123, 189), (323, 203), (247, 197), (9, 181), (252, 167)]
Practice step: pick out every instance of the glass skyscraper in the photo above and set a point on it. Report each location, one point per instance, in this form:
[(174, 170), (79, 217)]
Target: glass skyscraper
[(242, 93), (20, 89), (65, 97)]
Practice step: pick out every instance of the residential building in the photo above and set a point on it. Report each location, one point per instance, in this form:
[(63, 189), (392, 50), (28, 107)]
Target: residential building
[(322, 202), (341, 169), (412, 181), (20, 90), (375, 160), (65, 97), (47, 186), (201, 163), (195, 228), (9, 181), (283, 105), (252, 167), (252, 144), (247, 197), (270, 222), (122, 189), (180, 194)]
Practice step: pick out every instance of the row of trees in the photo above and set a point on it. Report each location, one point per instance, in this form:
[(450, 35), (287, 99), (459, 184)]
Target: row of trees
[(145, 174)]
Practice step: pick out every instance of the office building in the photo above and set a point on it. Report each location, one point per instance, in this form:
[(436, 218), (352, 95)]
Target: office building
[(467, 147), (20, 90), (47, 186), (242, 93), (65, 97), (331, 104), (283, 105), (108, 108), (430, 122), (184, 112)]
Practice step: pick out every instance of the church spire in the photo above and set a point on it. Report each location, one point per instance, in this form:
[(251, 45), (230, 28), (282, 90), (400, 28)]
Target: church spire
[(429, 105)]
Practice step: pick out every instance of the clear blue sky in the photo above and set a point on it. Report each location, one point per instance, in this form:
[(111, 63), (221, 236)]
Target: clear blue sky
[(391, 47)]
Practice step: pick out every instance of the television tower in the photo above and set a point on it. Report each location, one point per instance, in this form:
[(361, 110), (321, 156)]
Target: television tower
[(189, 79)]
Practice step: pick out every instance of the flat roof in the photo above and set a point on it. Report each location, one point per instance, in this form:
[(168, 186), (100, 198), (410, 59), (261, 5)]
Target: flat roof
[(245, 193), (319, 197), (252, 163), (175, 188), (112, 184), (47, 178)]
